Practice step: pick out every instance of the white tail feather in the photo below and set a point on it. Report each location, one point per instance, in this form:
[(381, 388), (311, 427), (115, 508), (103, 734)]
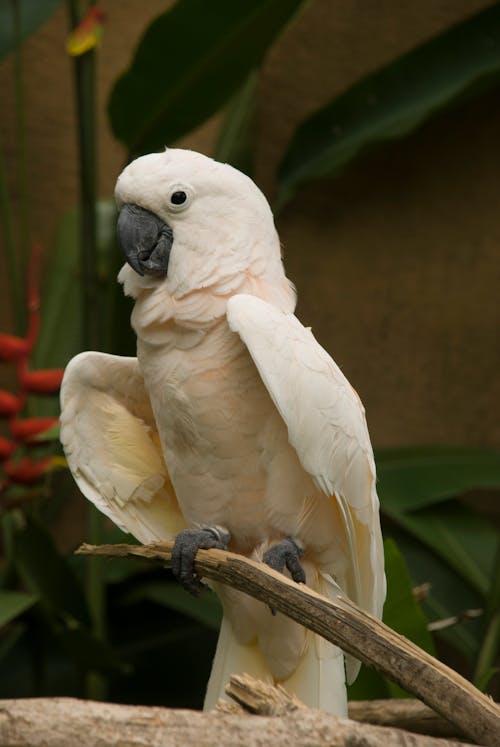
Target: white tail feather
[(318, 681), (232, 657)]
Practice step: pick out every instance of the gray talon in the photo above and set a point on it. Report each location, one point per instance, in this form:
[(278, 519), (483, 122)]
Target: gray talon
[(186, 545), (286, 553)]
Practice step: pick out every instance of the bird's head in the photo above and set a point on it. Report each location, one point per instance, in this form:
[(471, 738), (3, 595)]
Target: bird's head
[(187, 222)]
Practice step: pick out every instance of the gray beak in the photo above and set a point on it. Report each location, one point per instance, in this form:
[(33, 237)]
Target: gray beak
[(145, 240)]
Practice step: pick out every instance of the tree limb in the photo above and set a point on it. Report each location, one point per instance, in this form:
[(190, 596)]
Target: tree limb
[(68, 722), (348, 626), (250, 695)]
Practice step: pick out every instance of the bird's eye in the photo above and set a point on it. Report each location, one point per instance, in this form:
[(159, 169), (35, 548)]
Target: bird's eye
[(178, 198)]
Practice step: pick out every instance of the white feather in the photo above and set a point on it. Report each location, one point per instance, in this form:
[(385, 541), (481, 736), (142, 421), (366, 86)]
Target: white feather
[(110, 440), (326, 426)]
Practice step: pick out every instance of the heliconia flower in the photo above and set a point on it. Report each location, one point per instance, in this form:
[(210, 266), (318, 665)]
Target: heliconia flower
[(9, 404), (27, 470), (43, 381), (87, 34), (7, 448), (26, 429), (13, 348)]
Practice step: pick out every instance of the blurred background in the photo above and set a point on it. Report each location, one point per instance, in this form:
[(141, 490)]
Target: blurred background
[(373, 129)]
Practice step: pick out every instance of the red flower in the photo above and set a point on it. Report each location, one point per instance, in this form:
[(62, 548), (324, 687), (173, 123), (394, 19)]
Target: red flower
[(9, 404), (25, 429), (46, 381), (27, 470), (13, 348), (6, 448)]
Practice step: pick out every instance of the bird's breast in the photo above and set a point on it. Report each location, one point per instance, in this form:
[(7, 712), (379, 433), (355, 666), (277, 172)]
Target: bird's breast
[(214, 415)]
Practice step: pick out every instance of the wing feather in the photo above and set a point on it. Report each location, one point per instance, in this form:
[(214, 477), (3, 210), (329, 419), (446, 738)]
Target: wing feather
[(326, 426), (111, 444)]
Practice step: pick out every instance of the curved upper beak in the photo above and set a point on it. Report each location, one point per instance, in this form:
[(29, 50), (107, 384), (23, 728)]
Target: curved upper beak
[(145, 240)]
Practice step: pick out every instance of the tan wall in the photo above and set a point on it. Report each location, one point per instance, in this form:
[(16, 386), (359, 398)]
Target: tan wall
[(397, 262)]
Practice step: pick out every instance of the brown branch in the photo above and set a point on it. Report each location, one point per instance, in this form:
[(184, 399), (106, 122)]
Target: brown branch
[(346, 625), (68, 722), (250, 695), (408, 714)]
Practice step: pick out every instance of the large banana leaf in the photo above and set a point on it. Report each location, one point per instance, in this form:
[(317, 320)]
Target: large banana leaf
[(189, 62), (448, 596), (395, 100), (416, 488), (418, 477)]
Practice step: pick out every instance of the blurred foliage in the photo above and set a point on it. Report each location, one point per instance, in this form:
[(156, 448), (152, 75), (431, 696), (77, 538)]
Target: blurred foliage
[(211, 51), (21, 18), (393, 101), (190, 62)]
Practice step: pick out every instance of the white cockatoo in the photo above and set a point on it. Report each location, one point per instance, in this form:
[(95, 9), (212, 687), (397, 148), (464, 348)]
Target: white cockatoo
[(233, 427)]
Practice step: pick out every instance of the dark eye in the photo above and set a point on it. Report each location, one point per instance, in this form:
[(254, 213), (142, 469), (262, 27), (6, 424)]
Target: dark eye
[(178, 198)]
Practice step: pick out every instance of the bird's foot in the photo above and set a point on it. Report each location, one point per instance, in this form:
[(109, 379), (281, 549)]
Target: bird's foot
[(286, 553), (186, 545)]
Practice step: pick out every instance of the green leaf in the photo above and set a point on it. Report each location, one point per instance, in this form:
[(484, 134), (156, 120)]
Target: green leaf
[(235, 141), (449, 594), (465, 540), (32, 13), (52, 434), (8, 641), (189, 62), (416, 487), (14, 603), (61, 306), (47, 573), (489, 653), (205, 609), (413, 478), (369, 685), (395, 100), (403, 614), (61, 302), (89, 653)]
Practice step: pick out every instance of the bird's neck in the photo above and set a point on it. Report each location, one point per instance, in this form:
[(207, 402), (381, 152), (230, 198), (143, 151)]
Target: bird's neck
[(160, 319)]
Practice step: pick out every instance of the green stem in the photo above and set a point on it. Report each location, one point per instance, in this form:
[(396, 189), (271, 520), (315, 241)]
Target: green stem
[(491, 642), (91, 330), (22, 152), (488, 654), (16, 295)]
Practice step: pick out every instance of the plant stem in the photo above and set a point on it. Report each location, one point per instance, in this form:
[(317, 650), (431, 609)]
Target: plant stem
[(16, 296), (485, 667), (22, 154), (491, 642), (91, 330)]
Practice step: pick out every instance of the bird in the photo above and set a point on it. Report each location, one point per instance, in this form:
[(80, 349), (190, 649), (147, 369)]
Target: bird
[(232, 427)]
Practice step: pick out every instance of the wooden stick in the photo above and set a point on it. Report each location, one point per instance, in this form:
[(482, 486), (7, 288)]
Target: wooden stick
[(69, 722), (348, 626), (408, 714), (250, 695)]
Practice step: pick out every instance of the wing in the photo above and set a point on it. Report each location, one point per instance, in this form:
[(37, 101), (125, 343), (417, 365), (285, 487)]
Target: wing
[(326, 426), (112, 447)]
